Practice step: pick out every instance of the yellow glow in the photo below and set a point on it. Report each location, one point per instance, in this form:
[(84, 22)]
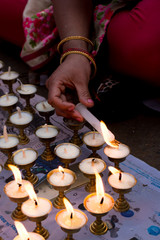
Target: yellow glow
[(16, 173), (68, 206), (61, 169), (113, 170), (108, 136), (30, 190), (99, 187), (22, 232)]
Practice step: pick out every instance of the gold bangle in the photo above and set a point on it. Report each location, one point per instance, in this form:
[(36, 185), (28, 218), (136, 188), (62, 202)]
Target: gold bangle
[(73, 38), (82, 53)]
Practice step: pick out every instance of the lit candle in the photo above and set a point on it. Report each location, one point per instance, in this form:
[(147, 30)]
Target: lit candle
[(27, 89), (35, 206), (15, 188), (8, 100), (70, 218), (92, 165), (44, 106), (24, 235), (60, 177), (10, 75), (46, 131), (21, 117), (99, 202), (121, 152), (8, 141), (67, 151), (93, 139), (121, 180), (24, 156)]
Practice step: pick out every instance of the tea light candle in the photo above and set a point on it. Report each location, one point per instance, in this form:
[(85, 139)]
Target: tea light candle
[(44, 106), (27, 89), (21, 117), (10, 75), (67, 151), (127, 180), (46, 131), (61, 177), (25, 156), (8, 141), (8, 100), (121, 152), (93, 139), (13, 190), (71, 219), (31, 236), (92, 165)]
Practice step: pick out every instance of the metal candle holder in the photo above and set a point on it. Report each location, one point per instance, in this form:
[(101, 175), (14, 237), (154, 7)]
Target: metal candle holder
[(70, 232), (58, 201), (39, 228), (27, 98), (9, 109), (67, 161), (17, 213), (46, 115), (94, 149), (31, 177), (121, 204), (48, 154), (23, 139), (75, 126), (8, 151), (9, 82), (91, 185), (98, 227)]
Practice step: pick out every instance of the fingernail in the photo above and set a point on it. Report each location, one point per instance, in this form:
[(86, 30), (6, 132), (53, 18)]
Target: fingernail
[(90, 100), (79, 119), (71, 108)]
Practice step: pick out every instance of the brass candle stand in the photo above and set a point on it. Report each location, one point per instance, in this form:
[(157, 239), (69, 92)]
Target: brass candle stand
[(27, 97), (9, 82), (67, 161), (75, 126), (58, 201), (38, 220), (70, 232), (17, 214), (45, 114), (48, 154), (31, 177), (91, 185), (23, 139), (9, 108), (94, 149), (98, 227), (8, 151)]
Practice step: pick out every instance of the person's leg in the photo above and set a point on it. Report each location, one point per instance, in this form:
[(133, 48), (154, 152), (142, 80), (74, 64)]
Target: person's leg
[(11, 23), (134, 41)]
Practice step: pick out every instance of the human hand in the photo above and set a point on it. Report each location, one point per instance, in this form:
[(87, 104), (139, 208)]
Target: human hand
[(73, 73)]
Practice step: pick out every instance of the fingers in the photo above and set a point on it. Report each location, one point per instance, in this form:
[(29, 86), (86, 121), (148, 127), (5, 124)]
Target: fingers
[(84, 95)]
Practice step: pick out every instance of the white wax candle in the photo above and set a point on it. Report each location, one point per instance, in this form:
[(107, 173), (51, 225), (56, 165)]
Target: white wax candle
[(64, 220), (12, 190), (120, 152), (44, 106), (8, 101), (12, 142), (127, 180), (67, 151), (89, 166), (27, 89), (9, 75), (93, 205), (93, 139), (31, 210), (20, 159), (43, 133), (26, 117), (61, 178), (32, 236)]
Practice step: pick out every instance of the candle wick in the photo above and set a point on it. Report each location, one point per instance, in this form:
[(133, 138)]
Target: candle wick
[(102, 200), (19, 185), (120, 176), (93, 161), (71, 216), (62, 175), (44, 106), (36, 203)]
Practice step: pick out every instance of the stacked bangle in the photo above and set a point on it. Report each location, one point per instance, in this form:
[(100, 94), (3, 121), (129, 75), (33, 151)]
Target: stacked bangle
[(73, 38), (82, 52)]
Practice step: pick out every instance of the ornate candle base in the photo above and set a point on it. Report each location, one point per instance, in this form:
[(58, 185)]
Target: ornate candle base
[(47, 155), (75, 126), (70, 233), (91, 185), (58, 202), (23, 139), (10, 83), (121, 204), (116, 162), (30, 176)]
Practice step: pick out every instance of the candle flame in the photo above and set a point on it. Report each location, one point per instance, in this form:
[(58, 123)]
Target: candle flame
[(113, 170), (61, 169), (108, 136), (21, 230), (69, 207), (16, 173), (19, 112), (30, 190), (5, 133), (99, 188)]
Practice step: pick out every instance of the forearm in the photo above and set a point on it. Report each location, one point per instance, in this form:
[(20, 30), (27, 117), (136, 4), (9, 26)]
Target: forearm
[(73, 18)]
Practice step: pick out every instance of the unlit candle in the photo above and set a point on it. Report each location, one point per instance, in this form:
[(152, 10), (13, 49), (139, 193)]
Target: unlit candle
[(27, 89), (42, 132), (20, 158), (93, 139), (120, 152), (8, 100), (92, 165), (26, 117), (67, 151), (44, 106)]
